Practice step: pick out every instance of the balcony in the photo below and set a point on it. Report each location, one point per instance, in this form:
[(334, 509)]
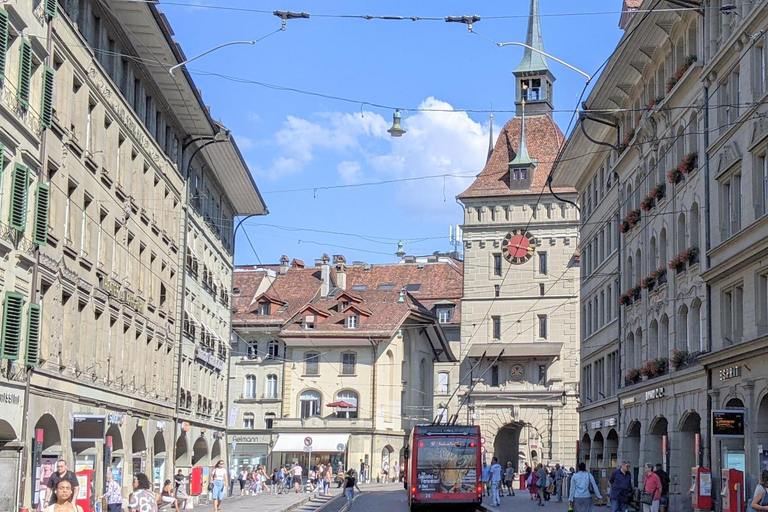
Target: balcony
[(26, 116), (318, 422)]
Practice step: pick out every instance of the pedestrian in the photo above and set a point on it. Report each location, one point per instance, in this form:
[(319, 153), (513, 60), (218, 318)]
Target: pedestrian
[(327, 477), (113, 495), (181, 490), (621, 487), (396, 472), (362, 471), (167, 497), (651, 490), (265, 480), (664, 478), (559, 476), (496, 481), (220, 481), (385, 472), (275, 481), (485, 478), (232, 479), (242, 478), (142, 498), (509, 478), (583, 486), (350, 484), (297, 471), (62, 498), (541, 482), (759, 500), (61, 473), (529, 480)]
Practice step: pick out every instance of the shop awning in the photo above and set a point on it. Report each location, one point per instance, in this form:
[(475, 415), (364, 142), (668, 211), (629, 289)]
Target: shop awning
[(327, 443), (541, 350)]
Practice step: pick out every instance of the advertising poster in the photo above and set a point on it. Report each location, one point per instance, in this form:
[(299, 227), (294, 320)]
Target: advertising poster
[(736, 461), (42, 473), (764, 460), (117, 475), (447, 466)]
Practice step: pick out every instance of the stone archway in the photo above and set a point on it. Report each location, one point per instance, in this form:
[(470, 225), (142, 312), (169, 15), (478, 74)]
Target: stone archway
[(598, 445), (585, 449), (138, 441), (612, 448), (632, 447), (7, 434), (506, 445), (690, 428), (655, 441), (200, 452), (182, 451), (159, 458), (51, 434), (216, 451)]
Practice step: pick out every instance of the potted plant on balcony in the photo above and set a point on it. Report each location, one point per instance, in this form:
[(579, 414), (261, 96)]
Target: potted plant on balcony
[(679, 358), (648, 203), (678, 263), (635, 292), (690, 255), (660, 275), (689, 163), (674, 176), (660, 365), (648, 282), (625, 299), (624, 226), (659, 192), (633, 218), (633, 376)]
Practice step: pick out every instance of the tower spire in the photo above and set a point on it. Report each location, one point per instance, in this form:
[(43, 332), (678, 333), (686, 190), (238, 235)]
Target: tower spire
[(490, 142), (533, 61), (522, 158)]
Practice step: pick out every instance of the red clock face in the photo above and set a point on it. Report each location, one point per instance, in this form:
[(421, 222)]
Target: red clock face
[(518, 246)]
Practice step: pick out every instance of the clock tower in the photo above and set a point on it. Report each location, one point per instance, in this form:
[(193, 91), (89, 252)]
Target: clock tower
[(520, 310)]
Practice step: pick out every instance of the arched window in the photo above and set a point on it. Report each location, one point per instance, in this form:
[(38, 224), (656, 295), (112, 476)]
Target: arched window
[(653, 255), (695, 330), (638, 190), (693, 46), (639, 347), (663, 246), (269, 419), (273, 349), (694, 221), (630, 274), (630, 205), (693, 129), (443, 382), (680, 243), (250, 386), (248, 422), (653, 341), (638, 268), (348, 404), (271, 391), (630, 351), (664, 337), (309, 404), (681, 336), (680, 145)]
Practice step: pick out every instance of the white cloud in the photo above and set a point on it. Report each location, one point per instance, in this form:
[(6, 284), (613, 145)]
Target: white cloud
[(349, 172), (245, 143)]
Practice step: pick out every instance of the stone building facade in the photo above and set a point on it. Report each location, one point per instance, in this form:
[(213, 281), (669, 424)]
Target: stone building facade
[(518, 372), (344, 355), (100, 208)]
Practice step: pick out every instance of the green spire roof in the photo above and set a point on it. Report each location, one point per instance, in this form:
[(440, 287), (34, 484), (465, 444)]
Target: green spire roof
[(533, 61)]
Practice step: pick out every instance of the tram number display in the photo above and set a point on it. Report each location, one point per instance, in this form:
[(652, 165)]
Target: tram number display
[(446, 466)]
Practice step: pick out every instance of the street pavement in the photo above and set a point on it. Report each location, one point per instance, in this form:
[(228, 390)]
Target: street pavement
[(270, 503)]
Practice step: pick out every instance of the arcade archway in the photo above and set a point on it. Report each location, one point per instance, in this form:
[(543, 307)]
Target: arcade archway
[(51, 434), (200, 452), (506, 446), (585, 449), (182, 451), (657, 441)]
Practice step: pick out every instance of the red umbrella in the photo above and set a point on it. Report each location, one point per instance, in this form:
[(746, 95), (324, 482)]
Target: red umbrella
[(341, 405)]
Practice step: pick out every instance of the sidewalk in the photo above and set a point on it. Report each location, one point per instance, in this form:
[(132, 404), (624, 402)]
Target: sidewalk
[(521, 502), (264, 502)]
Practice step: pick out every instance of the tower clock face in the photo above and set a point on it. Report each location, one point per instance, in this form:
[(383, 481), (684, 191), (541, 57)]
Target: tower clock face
[(518, 246)]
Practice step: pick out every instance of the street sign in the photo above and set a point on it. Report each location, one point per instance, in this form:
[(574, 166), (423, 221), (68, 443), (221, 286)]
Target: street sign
[(307, 441)]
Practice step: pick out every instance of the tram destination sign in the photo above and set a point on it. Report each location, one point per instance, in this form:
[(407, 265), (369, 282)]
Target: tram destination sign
[(728, 423)]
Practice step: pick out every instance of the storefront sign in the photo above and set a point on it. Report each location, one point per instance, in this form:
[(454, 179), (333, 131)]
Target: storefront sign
[(209, 358), (629, 401), (116, 419), (654, 394), (728, 423), (141, 423), (248, 439), (114, 289), (161, 426), (730, 373), (610, 422), (597, 424), (10, 398)]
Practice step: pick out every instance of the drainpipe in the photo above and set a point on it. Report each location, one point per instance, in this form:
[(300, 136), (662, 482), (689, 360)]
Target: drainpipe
[(618, 316), (42, 176), (374, 384), (707, 245)]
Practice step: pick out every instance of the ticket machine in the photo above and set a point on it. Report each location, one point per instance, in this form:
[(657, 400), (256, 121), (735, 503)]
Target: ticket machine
[(86, 496), (701, 488), (733, 490)]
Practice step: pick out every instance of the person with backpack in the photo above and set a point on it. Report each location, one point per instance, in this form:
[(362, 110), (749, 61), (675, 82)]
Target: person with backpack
[(583, 486)]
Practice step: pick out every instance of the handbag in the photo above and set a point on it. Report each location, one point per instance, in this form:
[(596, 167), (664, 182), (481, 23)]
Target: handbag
[(646, 498)]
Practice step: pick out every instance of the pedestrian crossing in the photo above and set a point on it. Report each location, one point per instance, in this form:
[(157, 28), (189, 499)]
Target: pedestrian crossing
[(315, 503)]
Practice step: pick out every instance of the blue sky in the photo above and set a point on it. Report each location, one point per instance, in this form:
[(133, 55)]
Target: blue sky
[(298, 141)]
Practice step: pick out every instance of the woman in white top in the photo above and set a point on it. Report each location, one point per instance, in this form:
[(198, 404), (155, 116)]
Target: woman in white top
[(759, 501), (63, 503), (220, 479)]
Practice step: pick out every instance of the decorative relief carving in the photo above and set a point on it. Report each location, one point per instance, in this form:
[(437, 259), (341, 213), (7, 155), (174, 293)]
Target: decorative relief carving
[(729, 155)]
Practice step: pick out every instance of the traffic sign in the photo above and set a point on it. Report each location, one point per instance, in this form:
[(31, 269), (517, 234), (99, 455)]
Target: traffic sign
[(482, 440), (307, 441)]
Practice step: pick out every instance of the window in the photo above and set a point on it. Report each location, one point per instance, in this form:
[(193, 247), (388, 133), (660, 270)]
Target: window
[(348, 362), (442, 383), (613, 372), (760, 175), (496, 320), (352, 321), (609, 304), (273, 349), (248, 421), (494, 376), (530, 89), (271, 391), (386, 287), (543, 326), (730, 205), (309, 404), (541, 288), (250, 386), (269, 419), (732, 314), (442, 414), (264, 308), (761, 303), (496, 290), (543, 263), (413, 287), (542, 375), (360, 287), (497, 264), (311, 363), (347, 401), (520, 174), (444, 315)]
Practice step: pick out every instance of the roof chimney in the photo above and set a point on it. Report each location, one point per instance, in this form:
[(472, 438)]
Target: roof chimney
[(284, 264), (340, 262), (297, 263), (325, 275)]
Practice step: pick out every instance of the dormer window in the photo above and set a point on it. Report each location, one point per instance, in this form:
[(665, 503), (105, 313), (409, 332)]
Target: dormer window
[(343, 305), (309, 321), (353, 321), (520, 174), (444, 315), (264, 308)]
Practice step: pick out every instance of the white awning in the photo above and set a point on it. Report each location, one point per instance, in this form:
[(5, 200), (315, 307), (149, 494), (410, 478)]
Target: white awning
[(326, 443)]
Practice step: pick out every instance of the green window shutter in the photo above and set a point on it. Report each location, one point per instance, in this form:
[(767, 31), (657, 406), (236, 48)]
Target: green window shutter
[(51, 8), (18, 214), (25, 72), (11, 337), (46, 110), (33, 335), (3, 41), (42, 203)]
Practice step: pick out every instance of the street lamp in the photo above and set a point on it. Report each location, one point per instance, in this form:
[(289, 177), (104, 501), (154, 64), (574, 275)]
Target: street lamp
[(397, 129), (516, 43)]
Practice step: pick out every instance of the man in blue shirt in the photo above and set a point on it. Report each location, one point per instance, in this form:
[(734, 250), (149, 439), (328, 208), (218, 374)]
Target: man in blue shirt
[(621, 487), (495, 481), (485, 477)]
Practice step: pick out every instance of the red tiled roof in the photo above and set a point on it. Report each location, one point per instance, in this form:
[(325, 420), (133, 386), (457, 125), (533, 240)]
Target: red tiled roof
[(543, 139), (297, 288)]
